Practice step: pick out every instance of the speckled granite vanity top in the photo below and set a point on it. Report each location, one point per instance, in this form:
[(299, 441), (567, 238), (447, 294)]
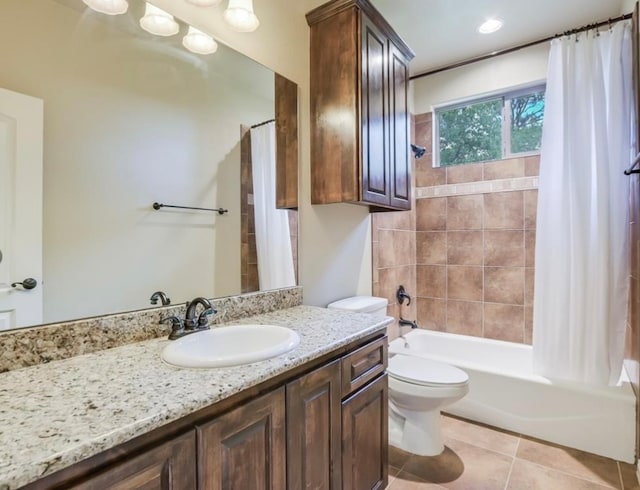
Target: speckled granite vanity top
[(53, 415)]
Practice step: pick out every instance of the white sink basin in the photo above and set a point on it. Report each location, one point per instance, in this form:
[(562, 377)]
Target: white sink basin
[(230, 346)]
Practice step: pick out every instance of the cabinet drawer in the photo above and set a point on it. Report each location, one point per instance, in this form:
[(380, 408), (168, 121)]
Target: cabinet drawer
[(364, 364)]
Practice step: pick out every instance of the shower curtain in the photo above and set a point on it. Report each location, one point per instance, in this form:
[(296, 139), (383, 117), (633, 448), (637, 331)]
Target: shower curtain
[(273, 241), (581, 276)]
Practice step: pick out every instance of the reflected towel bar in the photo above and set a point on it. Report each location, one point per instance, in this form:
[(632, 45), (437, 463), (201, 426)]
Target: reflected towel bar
[(632, 169), (157, 206)]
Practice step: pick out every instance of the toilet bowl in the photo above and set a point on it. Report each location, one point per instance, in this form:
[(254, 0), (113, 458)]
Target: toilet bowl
[(418, 389)]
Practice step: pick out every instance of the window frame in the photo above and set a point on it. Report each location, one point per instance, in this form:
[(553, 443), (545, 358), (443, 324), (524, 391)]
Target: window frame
[(506, 95)]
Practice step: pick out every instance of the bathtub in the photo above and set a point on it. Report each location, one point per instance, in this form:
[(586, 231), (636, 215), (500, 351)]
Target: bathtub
[(503, 392)]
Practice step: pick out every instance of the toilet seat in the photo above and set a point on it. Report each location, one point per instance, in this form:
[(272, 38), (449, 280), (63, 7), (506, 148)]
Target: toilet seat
[(425, 372)]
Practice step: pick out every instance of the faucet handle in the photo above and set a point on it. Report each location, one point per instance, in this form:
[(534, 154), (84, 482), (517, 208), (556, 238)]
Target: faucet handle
[(203, 318), (177, 326)]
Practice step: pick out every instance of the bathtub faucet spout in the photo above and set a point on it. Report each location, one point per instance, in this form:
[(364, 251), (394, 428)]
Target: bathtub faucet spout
[(407, 323)]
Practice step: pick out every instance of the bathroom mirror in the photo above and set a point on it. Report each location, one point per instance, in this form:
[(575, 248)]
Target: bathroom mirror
[(128, 119)]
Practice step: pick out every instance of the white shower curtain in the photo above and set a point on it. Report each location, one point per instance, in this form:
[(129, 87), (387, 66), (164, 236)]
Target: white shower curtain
[(273, 241), (581, 276)]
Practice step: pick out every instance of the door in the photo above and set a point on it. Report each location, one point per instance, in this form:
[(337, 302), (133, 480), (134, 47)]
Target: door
[(21, 135), (170, 466), (375, 120), (364, 438), (245, 448), (400, 164), (314, 430)]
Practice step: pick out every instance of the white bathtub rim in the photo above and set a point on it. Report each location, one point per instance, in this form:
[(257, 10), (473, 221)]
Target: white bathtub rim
[(623, 390)]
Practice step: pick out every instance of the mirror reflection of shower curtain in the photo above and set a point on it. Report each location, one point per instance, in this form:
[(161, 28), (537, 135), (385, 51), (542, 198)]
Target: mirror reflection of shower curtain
[(273, 241)]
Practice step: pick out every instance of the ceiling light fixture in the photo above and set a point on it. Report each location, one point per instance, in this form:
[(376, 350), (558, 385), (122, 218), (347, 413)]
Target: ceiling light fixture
[(158, 22), (198, 42), (489, 26), (109, 7), (204, 3), (239, 15)]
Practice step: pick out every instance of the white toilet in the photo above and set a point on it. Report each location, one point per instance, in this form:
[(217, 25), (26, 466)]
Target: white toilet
[(418, 389)]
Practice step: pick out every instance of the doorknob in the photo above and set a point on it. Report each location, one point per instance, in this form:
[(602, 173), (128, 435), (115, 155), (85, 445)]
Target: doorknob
[(28, 283)]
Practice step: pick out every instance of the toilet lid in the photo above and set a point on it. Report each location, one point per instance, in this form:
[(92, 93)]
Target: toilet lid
[(418, 370)]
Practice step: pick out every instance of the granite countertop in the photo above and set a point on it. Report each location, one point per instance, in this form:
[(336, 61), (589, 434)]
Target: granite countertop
[(53, 415)]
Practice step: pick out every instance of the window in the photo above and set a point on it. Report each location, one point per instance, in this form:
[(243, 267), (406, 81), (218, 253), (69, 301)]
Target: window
[(491, 128)]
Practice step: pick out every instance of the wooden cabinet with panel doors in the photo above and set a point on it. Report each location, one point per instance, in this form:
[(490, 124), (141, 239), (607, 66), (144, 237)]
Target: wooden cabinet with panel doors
[(359, 108)]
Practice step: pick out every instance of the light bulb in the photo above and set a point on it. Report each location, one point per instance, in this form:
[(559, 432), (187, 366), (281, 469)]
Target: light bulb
[(158, 22), (109, 7), (204, 3), (491, 25), (198, 42), (239, 15)]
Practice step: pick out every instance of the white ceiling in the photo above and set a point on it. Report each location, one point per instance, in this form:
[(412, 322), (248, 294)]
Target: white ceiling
[(445, 31)]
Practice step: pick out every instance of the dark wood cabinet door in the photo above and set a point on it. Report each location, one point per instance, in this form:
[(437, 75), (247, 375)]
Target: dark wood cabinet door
[(170, 466), (374, 114), (364, 438), (400, 163), (314, 430), (245, 448)]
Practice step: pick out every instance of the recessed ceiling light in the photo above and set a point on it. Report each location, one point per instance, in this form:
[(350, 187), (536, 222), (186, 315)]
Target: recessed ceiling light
[(491, 25)]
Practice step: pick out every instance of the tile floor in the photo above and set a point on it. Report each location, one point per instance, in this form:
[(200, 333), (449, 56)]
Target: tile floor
[(478, 457)]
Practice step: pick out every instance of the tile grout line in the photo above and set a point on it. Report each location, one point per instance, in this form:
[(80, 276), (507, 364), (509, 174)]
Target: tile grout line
[(620, 475), (513, 462)]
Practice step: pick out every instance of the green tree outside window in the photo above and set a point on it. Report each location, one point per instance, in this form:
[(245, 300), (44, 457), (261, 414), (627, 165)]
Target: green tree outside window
[(474, 132)]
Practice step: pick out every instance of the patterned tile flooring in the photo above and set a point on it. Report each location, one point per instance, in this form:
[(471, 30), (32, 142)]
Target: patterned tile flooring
[(478, 457)]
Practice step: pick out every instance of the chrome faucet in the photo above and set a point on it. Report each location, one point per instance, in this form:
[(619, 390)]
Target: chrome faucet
[(190, 320), (402, 323), (191, 324)]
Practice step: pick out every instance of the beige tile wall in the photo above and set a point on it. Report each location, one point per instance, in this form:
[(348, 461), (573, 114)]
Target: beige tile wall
[(467, 260), (249, 257), (475, 252)]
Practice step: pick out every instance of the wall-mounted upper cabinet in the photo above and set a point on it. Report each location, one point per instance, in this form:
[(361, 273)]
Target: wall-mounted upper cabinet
[(359, 108)]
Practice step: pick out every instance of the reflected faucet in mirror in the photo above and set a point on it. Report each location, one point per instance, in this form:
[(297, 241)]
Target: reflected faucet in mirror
[(160, 295), (191, 324)]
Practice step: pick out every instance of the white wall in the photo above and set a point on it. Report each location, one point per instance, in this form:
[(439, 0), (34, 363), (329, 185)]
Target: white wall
[(627, 6), (335, 240), (125, 128), (520, 67)]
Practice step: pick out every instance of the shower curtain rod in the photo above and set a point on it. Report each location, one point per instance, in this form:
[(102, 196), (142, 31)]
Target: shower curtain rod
[(500, 52), (263, 123)]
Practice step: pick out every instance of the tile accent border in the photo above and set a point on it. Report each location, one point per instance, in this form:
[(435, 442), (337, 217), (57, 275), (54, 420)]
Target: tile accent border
[(481, 187), (41, 344)]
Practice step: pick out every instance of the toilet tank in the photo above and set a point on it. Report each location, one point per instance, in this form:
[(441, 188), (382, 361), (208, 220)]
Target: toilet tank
[(362, 304)]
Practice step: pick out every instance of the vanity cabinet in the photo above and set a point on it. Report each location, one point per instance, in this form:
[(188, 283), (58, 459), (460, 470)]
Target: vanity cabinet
[(323, 426), (244, 448), (169, 466), (314, 441), (365, 437), (359, 109)]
